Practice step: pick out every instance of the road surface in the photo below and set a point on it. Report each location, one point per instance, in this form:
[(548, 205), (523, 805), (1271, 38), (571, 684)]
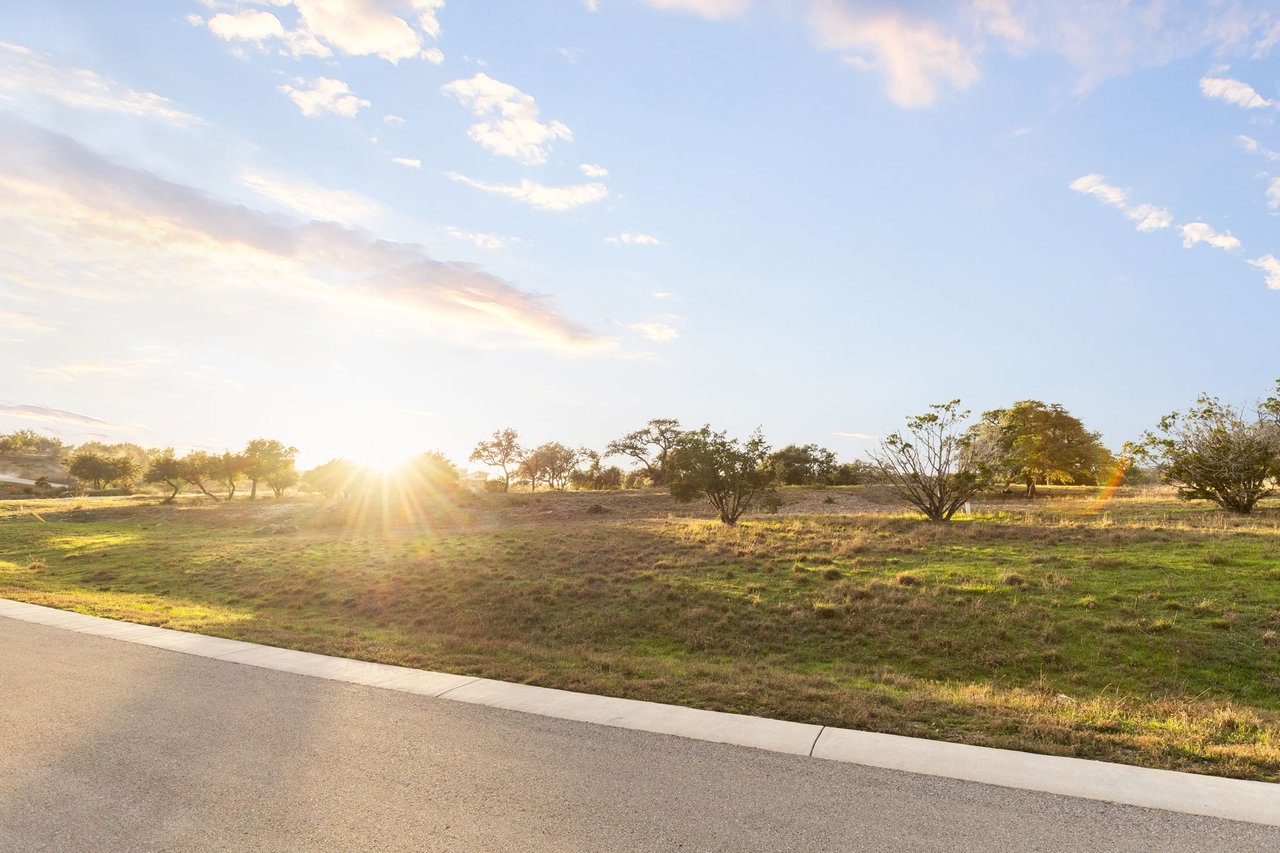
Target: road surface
[(107, 745)]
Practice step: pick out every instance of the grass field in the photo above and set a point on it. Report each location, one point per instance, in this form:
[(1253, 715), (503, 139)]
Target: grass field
[(1139, 629)]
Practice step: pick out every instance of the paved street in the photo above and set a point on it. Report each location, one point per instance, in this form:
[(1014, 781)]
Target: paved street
[(106, 745)]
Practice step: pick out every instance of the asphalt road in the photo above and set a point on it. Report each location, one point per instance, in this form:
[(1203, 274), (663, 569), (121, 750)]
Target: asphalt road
[(107, 745)]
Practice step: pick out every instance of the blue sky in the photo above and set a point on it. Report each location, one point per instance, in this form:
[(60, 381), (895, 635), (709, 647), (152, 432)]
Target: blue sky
[(371, 228)]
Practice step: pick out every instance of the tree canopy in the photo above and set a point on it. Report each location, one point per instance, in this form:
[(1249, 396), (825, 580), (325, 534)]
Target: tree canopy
[(650, 446), (930, 465), (1037, 443), (732, 475)]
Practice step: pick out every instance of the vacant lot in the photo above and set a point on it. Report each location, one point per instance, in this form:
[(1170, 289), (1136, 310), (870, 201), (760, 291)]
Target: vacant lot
[(1138, 629)]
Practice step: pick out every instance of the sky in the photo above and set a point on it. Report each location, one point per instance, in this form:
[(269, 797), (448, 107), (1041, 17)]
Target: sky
[(371, 228)]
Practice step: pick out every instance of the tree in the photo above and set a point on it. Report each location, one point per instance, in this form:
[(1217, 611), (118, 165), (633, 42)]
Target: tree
[(595, 476), (265, 458), (806, 465), (199, 468), (1219, 452), (550, 463), (100, 470), (282, 478), (168, 470), (228, 469), (503, 451), (650, 446), (732, 475), (335, 477), (1038, 443), (432, 472), (930, 466)]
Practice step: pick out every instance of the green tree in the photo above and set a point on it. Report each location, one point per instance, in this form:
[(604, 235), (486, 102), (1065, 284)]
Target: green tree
[(1220, 453), (503, 451), (733, 476), (806, 465), (91, 467), (650, 446), (167, 470), (549, 463), (1039, 444), (265, 458), (595, 476), (930, 465), (200, 468), (228, 469)]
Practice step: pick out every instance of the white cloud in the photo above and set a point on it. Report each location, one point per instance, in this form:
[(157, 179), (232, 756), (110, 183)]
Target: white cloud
[(246, 25), (511, 128), (480, 239), (434, 55), (634, 240), (539, 195), (20, 322), (1095, 185), (1201, 232), (1147, 216), (591, 170), (324, 95), (1253, 146), (662, 294), (660, 332), (1270, 266), (393, 121), (411, 162), (915, 57), (860, 436), (1233, 92), (366, 28), (66, 211), (713, 9), (310, 200), (24, 71), (1273, 194), (592, 5), (45, 414)]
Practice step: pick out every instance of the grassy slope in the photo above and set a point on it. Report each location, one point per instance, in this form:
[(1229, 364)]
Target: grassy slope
[(1146, 633)]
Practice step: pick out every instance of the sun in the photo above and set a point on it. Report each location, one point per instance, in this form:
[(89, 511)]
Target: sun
[(383, 460)]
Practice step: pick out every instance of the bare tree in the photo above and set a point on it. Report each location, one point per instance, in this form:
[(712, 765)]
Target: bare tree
[(929, 465)]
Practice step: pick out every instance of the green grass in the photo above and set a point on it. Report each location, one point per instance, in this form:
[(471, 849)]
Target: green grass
[(1143, 630)]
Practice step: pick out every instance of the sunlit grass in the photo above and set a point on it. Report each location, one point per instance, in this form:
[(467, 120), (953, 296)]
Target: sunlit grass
[(1144, 631)]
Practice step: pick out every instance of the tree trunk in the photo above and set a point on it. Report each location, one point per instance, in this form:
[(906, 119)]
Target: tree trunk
[(253, 490), (1031, 487)]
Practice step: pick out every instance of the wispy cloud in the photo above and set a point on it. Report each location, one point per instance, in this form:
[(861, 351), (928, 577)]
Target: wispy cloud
[(626, 239), (712, 9), (511, 126), (916, 57), (481, 239), (1202, 232), (1253, 146), (659, 332), (860, 436), (1233, 92), (77, 370), (591, 170), (1147, 217), (24, 71), (312, 200), (540, 195), (409, 162), (45, 414), (23, 321), (323, 95), (125, 229), (1273, 194)]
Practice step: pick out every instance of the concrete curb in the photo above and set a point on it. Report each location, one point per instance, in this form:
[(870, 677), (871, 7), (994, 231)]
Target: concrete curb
[(1189, 793)]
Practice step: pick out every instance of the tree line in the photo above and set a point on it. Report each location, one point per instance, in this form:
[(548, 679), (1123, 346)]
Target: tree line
[(939, 462)]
